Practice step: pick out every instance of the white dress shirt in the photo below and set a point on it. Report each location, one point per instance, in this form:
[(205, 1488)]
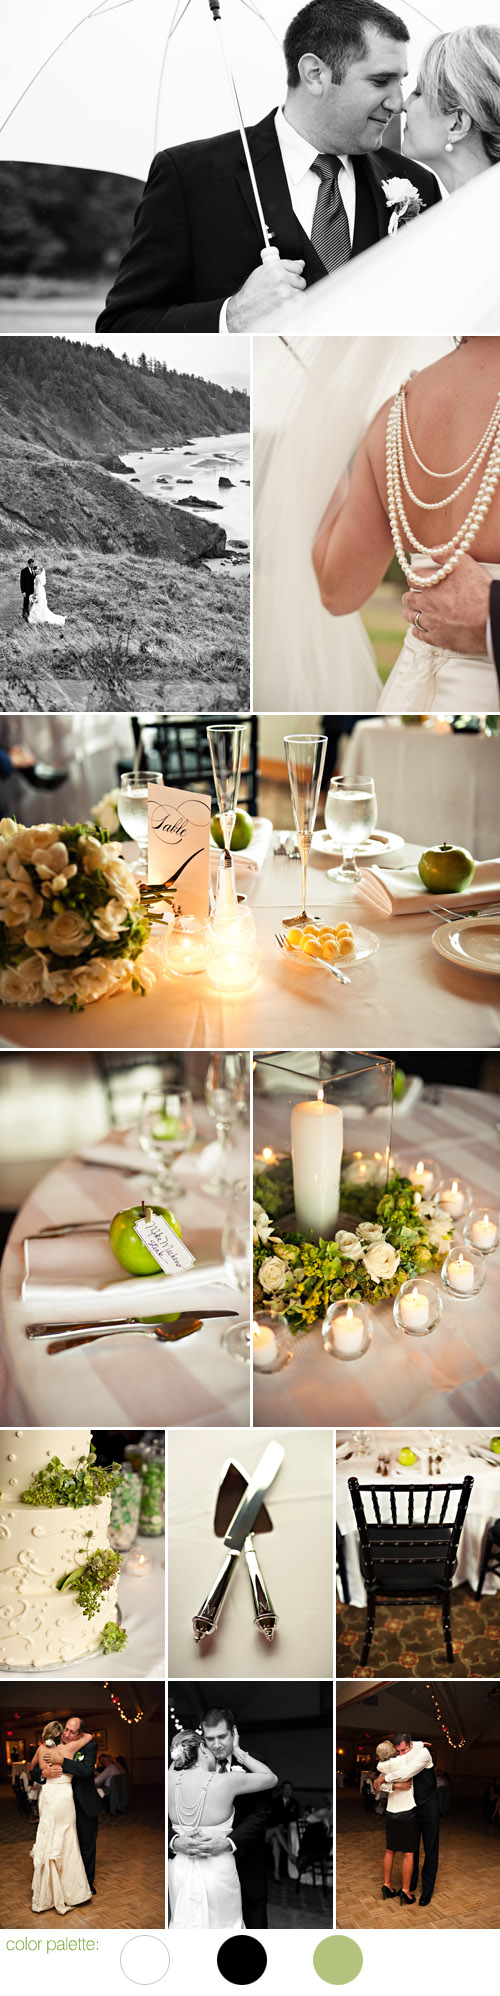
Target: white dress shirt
[(304, 185), (405, 1765)]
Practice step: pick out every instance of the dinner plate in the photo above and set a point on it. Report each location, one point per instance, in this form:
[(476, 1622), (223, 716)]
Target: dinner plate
[(474, 943), (365, 944), (373, 849)]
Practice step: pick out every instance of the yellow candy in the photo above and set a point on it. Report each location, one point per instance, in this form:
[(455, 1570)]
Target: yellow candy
[(330, 949), (311, 946), (344, 929), (346, 945), (309, 931), (324, 934), (294, 937)]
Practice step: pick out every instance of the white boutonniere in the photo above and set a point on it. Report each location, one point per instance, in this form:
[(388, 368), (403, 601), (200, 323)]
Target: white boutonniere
[(405, 201)]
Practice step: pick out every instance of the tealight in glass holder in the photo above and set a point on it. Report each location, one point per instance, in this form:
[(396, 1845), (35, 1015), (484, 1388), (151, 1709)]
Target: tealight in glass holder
[(186, 946), (424, 1174), (233, 957), (347, 1330), (273, 1344), (417, 1307), (463, 1272), (454, 1197), (482, 1230)]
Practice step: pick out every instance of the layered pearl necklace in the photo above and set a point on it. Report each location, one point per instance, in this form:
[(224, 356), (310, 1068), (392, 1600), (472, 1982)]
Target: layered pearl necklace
[(397, 476), (189, 1815)]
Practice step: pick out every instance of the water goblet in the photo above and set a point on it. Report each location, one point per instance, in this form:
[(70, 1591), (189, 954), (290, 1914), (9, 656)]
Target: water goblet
[(305, 756), (351, 817), (166, 1129), (224, 1093), (132, 809)]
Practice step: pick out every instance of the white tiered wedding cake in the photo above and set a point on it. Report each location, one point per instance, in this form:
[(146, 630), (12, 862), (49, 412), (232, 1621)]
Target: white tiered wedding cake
[(54, 1540)]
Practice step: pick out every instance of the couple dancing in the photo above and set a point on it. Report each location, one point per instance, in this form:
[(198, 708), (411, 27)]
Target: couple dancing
[(406, 1775), (34, 594), (217, 1872), (64, 1851)]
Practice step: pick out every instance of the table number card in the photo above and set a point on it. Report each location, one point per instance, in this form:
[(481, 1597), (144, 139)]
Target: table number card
[(164, 1244), (179, 847)]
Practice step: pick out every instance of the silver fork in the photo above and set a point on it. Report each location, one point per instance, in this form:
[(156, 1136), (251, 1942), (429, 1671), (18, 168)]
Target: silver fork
[(484, 908), (339, 974)]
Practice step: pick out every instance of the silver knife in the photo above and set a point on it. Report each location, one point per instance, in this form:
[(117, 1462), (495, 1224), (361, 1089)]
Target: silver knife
[(244, 1518), (178, 1317)]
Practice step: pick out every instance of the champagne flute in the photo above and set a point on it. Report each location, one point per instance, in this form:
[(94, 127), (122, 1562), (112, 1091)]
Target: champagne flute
[(166, 1129), (305, 756), (133, 811), (235, 1245), (351, 817), (224, 1092), (226, 750)]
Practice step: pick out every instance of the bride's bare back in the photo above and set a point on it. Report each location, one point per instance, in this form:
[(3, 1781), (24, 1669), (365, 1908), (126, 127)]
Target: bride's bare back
[(219, 1797), (449, 406)]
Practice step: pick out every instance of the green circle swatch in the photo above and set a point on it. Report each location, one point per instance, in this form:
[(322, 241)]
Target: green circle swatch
[(338, 1959)]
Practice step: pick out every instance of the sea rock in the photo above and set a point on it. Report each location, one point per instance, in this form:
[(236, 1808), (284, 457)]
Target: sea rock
[(228, 482), (211, 504), (113, 463)]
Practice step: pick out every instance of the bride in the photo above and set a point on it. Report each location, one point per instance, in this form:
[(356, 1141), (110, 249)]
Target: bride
[(39, 612), (205, 1891), (453, 115), (425, 481), (59, 1877)]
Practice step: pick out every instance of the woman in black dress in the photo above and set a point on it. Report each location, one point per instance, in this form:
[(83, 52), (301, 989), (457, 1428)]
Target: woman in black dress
[(401, 1831)]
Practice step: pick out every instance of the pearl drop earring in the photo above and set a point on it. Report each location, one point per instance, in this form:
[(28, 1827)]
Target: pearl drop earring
[(448, 146)]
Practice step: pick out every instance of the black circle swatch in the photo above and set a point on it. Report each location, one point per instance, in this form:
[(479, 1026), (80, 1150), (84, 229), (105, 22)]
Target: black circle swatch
[(242, 1959)]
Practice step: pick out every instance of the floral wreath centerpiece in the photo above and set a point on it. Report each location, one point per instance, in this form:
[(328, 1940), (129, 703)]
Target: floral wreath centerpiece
[(72, 925), (398, 1235)]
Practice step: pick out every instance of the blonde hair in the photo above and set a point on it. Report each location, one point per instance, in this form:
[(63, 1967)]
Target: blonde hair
[(52, 1734), (386, 1751), (460, 71)]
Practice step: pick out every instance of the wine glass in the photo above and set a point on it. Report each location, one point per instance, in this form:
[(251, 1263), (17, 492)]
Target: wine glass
[(133, 811), (226, 750), (166, 1129), (305, 756), (351, 817), (224, 1091), (235, 1245)]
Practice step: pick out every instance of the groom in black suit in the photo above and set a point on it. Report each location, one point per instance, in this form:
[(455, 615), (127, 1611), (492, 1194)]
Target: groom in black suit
[(27, 581), (194, 260), (249, 1823)]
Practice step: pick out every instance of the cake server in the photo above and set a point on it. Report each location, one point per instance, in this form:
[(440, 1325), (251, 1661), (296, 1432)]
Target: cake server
[(233, 1491)]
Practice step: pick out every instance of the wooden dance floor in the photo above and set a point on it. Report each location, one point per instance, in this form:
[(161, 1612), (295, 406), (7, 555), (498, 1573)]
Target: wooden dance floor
[(466, 1889), (129, 1870)]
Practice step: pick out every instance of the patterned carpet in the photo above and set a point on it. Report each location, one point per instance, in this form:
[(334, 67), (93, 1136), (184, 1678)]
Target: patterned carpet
[(409, 1639)]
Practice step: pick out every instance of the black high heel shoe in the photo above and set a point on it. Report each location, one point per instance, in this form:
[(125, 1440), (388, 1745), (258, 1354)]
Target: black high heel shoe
[(407, 1898), (387, 1892)]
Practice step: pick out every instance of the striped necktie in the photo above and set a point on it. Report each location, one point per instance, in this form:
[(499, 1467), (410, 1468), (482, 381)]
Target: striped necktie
[(330, 229)]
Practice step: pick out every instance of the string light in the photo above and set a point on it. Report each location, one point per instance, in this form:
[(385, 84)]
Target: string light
[(456, 1744), (137, 1716)]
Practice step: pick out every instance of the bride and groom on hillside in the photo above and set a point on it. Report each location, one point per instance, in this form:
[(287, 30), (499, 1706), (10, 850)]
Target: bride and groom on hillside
[(33, 583)]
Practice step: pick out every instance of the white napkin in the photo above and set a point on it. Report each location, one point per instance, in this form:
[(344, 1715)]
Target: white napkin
[(252, 859), (125, 1157), (402, 893), (77, 1273)]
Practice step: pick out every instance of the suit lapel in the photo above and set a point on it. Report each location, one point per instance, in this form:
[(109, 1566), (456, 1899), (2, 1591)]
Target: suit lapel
[(372, 214)]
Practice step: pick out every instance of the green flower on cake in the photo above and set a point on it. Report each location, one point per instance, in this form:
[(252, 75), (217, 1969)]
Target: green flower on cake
[(400, 1236), (112, 1637), (92, 1581), (84, 1485)]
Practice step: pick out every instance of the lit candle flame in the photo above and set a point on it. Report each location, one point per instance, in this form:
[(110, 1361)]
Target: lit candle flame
[(420, 1166), (455, 1185), (414, 1294), (485, 1220), (349, 1314), (267, 1153), (460, 1260), (320, 1095)]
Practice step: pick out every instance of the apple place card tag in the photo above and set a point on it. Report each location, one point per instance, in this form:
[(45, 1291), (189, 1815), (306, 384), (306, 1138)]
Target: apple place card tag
[(179, 847), (164, 1244)]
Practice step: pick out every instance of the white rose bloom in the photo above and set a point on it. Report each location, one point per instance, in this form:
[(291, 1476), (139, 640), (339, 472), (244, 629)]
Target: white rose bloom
[(87, 981), (67, 934), (272, 1274), (24, 984), (368, 1232), (119, 878), (426, 1209), (16, 871), (109, 920), (381, 1261), (105, 813), (35, 838), (18, 904), (91, 852), (348, 1245), (8, 830), (438, 1235), (262, 1225)]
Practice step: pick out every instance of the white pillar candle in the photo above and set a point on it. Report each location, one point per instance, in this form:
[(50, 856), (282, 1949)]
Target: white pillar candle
[(461, 1274), (414, 1309), (264, 1346), (453, 1200), (348, 1334), (317, 1140), (423, 1179), (484, 1233)]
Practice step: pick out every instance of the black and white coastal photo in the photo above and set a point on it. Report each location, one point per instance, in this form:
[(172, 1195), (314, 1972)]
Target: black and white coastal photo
[(250, 1805), (254, 167), (125, 523)]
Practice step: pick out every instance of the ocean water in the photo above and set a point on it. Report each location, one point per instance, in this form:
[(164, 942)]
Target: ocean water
[(164, 474)]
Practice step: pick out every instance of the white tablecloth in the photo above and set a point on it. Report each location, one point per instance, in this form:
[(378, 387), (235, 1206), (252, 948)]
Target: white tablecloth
[(449, 1379), (296, 1559), (128, 1381), (429, 999), (430, 786), (484, 1504), (142, 1606)]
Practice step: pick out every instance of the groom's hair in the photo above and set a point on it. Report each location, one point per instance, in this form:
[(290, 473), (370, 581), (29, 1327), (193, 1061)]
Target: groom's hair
[(220, 1716), (402, 1739), (336, 34)]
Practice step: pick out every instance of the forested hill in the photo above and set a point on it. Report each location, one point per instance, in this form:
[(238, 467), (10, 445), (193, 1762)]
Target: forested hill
[(82, 400)]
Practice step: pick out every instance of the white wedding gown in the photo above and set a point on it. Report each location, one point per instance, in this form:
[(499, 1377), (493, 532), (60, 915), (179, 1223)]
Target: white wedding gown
[(59, 1877), (39, 609), (205, 1891), (429, 680)]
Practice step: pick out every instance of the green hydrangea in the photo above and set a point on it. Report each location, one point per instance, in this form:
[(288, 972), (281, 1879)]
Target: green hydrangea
[(315, 1274), (84, 1485), (92, 1581), (113, 1637)]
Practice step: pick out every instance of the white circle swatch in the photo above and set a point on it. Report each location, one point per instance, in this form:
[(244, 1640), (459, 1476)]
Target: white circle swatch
[(145, 1959)]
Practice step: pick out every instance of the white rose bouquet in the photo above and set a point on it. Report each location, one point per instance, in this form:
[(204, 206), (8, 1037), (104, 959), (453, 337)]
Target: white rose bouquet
[(72, 928)]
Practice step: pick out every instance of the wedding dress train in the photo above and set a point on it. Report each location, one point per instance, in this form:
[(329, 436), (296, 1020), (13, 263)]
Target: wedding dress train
[(427, 679), (59, 1877), (39, 609), (205, 1891)]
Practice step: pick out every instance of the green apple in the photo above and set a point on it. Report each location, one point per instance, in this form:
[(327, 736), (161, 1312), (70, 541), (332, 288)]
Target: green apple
[(407, 1458), (165, 1129), (241, 835), (128, 1249), (495, 1444), (446, 869), (399, 1084)]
